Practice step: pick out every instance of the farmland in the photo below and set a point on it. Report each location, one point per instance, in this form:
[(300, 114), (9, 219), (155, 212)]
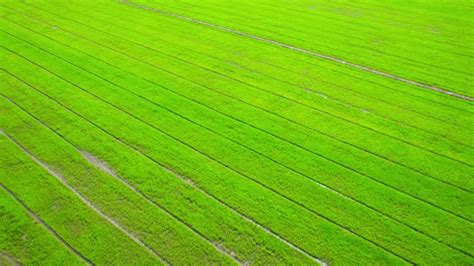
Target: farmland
[(209, 132)]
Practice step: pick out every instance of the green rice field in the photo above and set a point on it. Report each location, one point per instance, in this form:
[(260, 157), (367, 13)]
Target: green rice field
[(249, 132)]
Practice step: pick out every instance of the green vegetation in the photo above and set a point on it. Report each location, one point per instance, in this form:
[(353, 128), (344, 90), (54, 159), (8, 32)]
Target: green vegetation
[(158, 139), (352, 31), (77, 224), (29, 241)]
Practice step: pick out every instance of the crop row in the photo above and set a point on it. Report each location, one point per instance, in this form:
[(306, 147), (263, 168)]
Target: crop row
[(257, 73), (447, 172), (358, 45), (242, 139), (23, 232), (78, 79), (62, 211), (276, 93)]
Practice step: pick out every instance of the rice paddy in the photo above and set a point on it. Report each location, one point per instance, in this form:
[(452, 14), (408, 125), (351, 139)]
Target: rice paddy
[(153, 132)]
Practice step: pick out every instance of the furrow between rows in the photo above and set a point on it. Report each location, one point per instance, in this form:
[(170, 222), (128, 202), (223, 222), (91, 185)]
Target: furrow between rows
[(269, 92), (158, 163), (339, 101), (348, 230), (86, 201), (318, 55), (272, 113), (35, 216)]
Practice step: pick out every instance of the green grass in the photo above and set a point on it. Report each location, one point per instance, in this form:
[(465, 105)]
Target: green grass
[(77, 224), (228, 150), (30, 242), (445, 61)]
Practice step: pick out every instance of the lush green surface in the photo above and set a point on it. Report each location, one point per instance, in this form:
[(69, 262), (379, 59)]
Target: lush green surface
[(75, 222), (218, 149), (30, 242), (421, 40)]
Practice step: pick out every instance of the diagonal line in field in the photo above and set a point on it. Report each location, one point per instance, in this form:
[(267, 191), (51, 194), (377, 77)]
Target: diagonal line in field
[(253, 25), (339, 72), (298, 87), (285, 118), (301, 50), (322, 185), (38, 219), (9, 258), (417, 34), (254, 180), (97, 163), (226, 166), (233, 210), (177, 175), (434, 205), (270, 134), (61, 179), (302, 125), (91, 159), (319, 110), (251, 149)]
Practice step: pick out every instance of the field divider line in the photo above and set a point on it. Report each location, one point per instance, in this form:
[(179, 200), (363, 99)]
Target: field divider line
[(415, 33), (285, 98), (298, 87), (152, 202), (63, 181), (165, 167), (291, 169), (407, 61), (419, 97), (251, 149), (348, 230), (342, 227), (262, 89), (348, 35), (301, 50), (265, 110), (137, 191), (37, 218), (329, 188), (398, 91), (355, 77), (236, 212)]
